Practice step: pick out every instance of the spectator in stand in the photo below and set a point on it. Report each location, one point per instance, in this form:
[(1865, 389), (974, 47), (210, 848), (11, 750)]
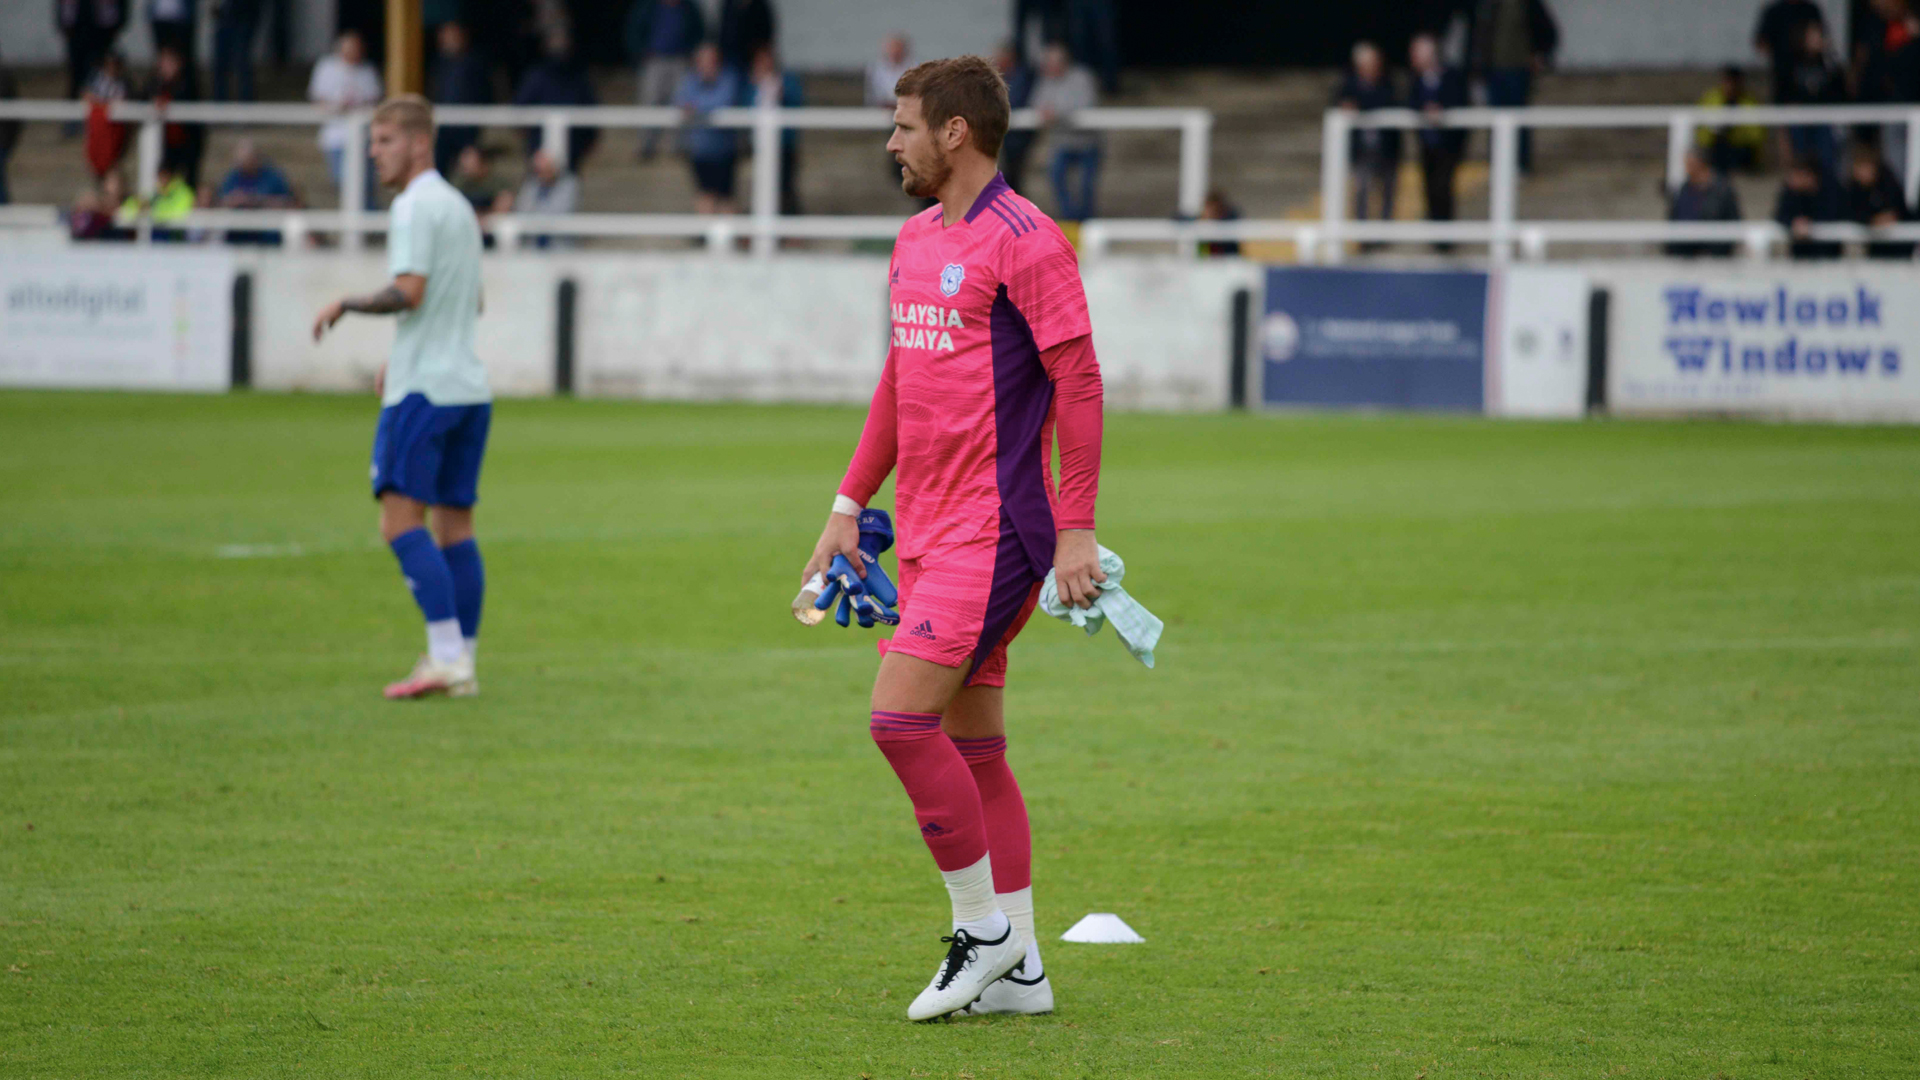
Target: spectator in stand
[(1778, 37), (343, 81), (474, 178), (1093, 35), (780, 89), (107, 139), (560, 79), (254, 183), (1705, 195), (1064, 89), (90, 27), (1050, 14), (459, 78), (87, 218), (235, 24), (1374, 152), (435, 14), (108, 82), (713, 151), (172, 22), (1513, 42), (548, 190), (1891, 72), (1872, 197), (1807, 198), (92, 215), (1434, 88), (1815, 79), (174, 80), (1731, 147), (661, 37), (9, 129), (746, 27), (172, 201), (1019, 141), (884, 71), (1219, 208)]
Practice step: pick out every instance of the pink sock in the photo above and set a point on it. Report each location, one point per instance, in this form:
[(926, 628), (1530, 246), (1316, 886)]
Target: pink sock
[(936, 778), (1005, 812)]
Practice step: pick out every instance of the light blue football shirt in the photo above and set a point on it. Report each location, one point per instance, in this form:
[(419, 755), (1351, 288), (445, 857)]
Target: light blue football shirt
[(432, 232)]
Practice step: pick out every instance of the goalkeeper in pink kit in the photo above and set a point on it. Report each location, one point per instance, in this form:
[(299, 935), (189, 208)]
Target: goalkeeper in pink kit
[(991, 363)]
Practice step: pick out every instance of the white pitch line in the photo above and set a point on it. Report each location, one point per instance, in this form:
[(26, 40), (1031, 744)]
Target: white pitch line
[(259, 551)]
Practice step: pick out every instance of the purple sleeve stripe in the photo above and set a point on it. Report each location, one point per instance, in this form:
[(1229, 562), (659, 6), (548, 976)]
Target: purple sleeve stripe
[(1002, 215), (1014, 208)]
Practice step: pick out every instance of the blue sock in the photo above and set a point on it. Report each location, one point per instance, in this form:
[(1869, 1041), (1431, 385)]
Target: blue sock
[(469, 583), (426, 572)]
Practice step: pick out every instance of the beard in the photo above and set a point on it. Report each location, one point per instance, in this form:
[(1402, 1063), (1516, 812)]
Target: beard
[(926, 185)]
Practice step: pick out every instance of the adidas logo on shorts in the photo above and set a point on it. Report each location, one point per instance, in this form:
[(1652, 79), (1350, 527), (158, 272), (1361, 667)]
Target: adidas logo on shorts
[(924, 630)]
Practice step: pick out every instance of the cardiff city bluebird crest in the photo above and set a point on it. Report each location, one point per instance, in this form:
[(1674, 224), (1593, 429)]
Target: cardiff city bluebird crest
[(951, 277)]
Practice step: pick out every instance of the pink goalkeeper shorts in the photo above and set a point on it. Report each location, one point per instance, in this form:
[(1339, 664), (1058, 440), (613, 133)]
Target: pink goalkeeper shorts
[(961, 605)]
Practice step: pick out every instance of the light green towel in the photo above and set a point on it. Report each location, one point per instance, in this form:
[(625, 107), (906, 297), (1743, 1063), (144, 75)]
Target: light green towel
[(1139, 629)]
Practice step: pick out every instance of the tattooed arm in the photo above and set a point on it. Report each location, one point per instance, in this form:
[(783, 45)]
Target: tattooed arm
[(403, 294)]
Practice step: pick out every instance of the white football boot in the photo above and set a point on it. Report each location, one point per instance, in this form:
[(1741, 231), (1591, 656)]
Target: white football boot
[(971, 965), (428, 678), (1014, 996)]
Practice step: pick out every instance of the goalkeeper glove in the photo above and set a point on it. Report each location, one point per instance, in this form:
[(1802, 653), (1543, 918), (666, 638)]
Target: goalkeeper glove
[(874, 598)]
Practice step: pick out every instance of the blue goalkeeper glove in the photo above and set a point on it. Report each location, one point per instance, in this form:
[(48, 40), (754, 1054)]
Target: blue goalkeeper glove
[(871, 599)]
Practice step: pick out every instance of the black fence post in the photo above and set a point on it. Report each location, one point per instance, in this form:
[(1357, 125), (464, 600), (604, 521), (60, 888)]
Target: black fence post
[(1237, 362), (563, 337), (1598, 303), (241, 350)]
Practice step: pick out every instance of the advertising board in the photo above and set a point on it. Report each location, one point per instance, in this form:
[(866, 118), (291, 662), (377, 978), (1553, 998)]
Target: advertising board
[(117, 319)]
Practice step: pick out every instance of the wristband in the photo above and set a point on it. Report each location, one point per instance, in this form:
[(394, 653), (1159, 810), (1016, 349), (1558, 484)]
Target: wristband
[(844, 505)]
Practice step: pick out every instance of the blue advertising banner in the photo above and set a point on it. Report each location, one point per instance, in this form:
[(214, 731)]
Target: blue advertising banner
[(1393, 339)]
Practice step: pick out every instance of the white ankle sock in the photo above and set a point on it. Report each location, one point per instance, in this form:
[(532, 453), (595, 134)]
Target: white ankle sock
[(1019, 908), (444, 642), (473, 647), (971, 889)]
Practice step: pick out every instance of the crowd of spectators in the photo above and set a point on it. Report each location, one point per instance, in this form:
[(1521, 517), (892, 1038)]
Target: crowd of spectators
[(697, 56), (1830, 173), (1431, 87)]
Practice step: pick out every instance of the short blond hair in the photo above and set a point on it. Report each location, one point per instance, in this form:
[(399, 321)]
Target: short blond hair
[(410, 113)]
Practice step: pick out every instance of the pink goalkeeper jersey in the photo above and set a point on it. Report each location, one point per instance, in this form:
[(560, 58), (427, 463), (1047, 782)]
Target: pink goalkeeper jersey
[(991, 342)]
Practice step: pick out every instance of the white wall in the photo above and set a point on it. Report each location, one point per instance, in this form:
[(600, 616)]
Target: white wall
[(516, 338), (695, 328), (1666, 33)]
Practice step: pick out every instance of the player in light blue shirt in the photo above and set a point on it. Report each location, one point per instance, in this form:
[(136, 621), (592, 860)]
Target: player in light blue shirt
[(435, 405)]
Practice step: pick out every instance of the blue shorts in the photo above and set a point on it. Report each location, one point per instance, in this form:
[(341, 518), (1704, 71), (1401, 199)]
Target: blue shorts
[(431, 452)]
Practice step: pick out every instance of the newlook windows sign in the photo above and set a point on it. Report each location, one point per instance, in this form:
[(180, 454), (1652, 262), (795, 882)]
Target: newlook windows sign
[(1837, 342)]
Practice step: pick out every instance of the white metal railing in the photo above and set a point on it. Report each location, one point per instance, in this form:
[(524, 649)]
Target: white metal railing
[(720, 234), (765, 123), (1504, 228), (1756, 239)]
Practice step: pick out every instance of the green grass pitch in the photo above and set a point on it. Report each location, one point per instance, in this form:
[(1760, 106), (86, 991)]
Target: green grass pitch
[(1475, 749)]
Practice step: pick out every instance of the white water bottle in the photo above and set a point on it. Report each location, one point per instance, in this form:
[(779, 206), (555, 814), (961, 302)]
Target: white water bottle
[(803, 608)]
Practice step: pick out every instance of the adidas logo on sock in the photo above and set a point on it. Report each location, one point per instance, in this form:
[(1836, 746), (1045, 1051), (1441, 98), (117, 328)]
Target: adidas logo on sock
[(924, 630), (932, 828)]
